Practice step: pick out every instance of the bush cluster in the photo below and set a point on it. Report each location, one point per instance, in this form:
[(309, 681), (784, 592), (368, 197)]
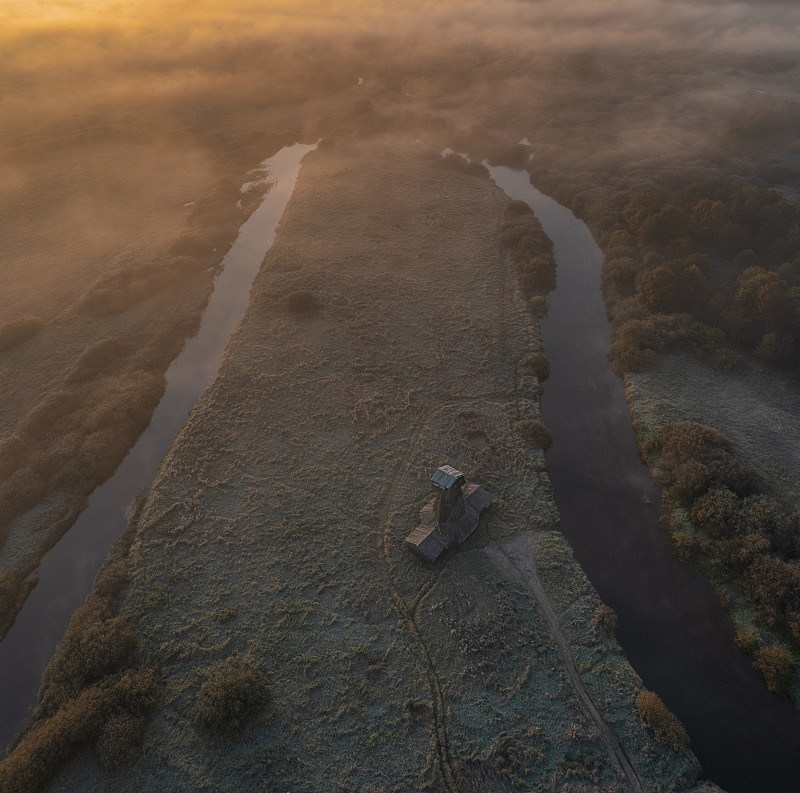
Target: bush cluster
[(777, 667), (664, 723), (535, 432), (726, 254), (74, 437), (637, 341), (532, 251), (10, 591), (752, 535), (89, 694), (538, 364), (93, 714), (233, 692), (694, 458), (606, 618)]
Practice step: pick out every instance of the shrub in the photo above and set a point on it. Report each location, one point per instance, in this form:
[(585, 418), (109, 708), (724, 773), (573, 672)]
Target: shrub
[(775, 664), (695, 458), (19, 330), (96, 644), (535, 433), (665, 724), (716, 511), (539, 364), (773, 584), (538, 275), (232, 693), (300, 302), (539, 307), (764, 516), (517, 209), (606, 618), (747, 641), (621, 273), (82, 720)]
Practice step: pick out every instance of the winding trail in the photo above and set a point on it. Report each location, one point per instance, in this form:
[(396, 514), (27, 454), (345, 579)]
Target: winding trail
[(519, 563)]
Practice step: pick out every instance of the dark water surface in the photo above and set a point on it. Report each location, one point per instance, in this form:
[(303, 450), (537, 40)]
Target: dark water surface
[(69, 569), (673, 630)]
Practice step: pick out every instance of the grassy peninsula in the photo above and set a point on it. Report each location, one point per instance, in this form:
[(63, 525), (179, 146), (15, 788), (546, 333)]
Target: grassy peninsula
[(266, 566)]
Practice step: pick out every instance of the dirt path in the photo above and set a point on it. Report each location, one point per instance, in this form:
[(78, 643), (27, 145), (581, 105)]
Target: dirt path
[(516, 560)]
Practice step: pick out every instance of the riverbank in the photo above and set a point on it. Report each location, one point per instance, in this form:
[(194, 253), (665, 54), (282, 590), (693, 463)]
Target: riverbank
[(385, 334), (83, 386), (756, 409)]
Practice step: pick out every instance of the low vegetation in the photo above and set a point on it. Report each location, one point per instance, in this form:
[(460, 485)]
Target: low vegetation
[(606, 618), (302, 301), (665, 724), (538, 364), (744, 533), (94, 692), (232, 694), (537, 433), (532, 250)]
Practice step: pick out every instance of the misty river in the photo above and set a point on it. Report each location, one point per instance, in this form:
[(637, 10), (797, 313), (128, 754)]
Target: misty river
[(672, 628), (68, 571)]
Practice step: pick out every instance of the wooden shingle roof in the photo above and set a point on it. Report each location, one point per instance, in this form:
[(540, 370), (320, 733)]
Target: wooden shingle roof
[(446, 476)]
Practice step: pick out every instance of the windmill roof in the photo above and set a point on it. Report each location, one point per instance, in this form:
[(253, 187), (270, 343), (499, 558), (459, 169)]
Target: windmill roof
[(446, 476)]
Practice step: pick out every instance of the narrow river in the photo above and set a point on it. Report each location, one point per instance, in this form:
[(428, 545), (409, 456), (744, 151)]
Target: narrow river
[(673, 630), (68, 570)]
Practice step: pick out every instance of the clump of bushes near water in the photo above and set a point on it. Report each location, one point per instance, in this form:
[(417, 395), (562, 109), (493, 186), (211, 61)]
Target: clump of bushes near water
[(665, 724), (748, 536), (606, 618), (538, 364), (537, 433), (93, 693), (532, 250)]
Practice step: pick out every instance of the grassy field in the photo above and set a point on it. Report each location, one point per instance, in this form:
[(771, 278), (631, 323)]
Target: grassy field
[(754, 406), (385, 333)]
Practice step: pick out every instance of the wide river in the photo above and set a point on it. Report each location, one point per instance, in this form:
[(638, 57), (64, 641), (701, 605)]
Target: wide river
[(672, 628), (68, 571)]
